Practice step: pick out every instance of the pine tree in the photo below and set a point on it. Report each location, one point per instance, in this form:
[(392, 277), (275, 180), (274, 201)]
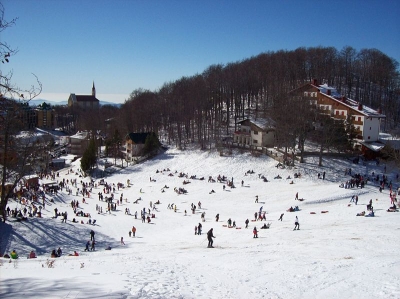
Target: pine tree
[(89, 157), (151, 143)]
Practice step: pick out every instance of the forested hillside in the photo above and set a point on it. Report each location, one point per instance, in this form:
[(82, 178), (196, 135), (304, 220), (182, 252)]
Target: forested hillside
[(203, 108)]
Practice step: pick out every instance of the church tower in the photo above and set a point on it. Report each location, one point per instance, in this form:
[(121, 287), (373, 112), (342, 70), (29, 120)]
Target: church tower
[(93, 90)]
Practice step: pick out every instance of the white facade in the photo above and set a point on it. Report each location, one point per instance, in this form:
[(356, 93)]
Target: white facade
[(371, 129)]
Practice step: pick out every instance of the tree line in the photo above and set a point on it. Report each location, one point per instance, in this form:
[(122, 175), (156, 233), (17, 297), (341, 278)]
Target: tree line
[(204, 108)]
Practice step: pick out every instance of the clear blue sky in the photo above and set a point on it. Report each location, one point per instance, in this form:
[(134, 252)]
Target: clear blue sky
[(123, 45)]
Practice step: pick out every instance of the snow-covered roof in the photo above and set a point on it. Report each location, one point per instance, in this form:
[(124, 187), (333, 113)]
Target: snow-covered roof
[(263, 123), (373, 146), (80, 135), (331, 92)]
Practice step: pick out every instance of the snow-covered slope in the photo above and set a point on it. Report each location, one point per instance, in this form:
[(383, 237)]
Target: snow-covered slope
[(334, 254)]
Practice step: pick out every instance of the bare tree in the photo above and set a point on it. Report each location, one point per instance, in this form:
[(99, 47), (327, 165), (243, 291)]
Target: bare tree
[(16, 153)]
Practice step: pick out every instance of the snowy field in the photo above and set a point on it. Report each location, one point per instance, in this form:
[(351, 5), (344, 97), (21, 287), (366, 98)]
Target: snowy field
[(334, 254)]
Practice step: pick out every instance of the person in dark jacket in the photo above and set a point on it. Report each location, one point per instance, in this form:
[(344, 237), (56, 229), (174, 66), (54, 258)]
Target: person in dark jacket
[(92, 235), (210, 237), (247, 223)]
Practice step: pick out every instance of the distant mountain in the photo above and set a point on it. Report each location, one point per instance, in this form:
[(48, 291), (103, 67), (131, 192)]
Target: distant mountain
[(37, 102)]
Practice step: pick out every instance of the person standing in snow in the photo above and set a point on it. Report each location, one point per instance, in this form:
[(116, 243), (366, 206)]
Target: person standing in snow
[(296, 224), (210, 237), (247, 222), (199, 228), (87, 246), (297, 196), (255, 232), (133, 231), (92, 235), (217, 217)]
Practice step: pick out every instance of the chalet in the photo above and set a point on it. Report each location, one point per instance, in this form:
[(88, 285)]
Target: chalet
[(134, 144), (84, 101), (255, 133), (365, 120)]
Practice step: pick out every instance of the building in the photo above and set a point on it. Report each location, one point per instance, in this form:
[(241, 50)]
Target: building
[(46, 117), (365, 120), (134, 144), (84, 101), (255, 133), (78, 143)]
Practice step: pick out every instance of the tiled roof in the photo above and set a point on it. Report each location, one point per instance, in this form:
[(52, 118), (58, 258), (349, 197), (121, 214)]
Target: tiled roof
[(86, 98)]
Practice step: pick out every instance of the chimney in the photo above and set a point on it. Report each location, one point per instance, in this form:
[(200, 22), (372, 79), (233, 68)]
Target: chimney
[(360, 106), (328, 92), (344, 99), (315, 82)]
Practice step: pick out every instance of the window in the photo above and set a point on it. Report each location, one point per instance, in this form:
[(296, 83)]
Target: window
[(359, 118), (369, 137), (255, 141), (255, 132), (337, 112), (342, 112), (370, 128)]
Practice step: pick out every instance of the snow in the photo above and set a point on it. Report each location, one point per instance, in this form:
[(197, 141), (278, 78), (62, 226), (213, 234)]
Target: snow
[(333, 255)]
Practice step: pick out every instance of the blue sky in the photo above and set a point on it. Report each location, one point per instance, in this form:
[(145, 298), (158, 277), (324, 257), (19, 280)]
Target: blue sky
[(123, 45)]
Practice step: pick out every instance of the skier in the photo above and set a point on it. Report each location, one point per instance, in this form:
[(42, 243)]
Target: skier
[(210, 235), (217, 217), (296, 224), (256, 199), (281, 217), (297, 196), (255, 232), (247, 222), (229, 222)]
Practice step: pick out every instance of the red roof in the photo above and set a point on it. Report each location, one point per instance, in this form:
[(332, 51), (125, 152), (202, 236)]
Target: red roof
[(86, 98)]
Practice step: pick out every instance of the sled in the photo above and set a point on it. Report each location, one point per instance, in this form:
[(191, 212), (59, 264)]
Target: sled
[(253, 221), (324, 212), (224, 225), (312, 213), (238, 228), (349, 205)]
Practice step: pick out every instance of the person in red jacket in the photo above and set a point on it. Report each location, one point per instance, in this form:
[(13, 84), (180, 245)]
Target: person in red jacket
[(255, 232)]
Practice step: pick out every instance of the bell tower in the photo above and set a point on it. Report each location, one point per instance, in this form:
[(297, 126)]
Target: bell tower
[(93, 90)]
